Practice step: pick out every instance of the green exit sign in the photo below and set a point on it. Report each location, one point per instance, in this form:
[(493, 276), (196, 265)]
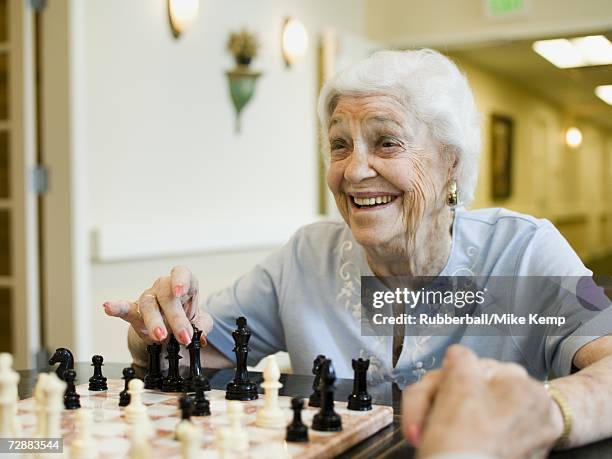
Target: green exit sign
[(503, 8)]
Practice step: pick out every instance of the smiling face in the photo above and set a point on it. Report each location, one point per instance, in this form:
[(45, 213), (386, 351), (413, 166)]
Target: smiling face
[(386, 172)]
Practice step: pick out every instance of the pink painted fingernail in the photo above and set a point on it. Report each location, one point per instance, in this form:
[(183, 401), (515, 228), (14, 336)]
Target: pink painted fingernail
[(413, 435), (159, 333), (184, 336), (178, 290)]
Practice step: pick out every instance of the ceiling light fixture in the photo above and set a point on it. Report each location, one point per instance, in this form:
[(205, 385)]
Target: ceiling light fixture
[(575, 52), (604, 92)]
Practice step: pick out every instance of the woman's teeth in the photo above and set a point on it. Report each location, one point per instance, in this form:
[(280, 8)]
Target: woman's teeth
[(372, 201)]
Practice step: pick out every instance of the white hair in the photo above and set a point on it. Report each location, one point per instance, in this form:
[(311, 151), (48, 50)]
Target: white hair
[(429, 85)]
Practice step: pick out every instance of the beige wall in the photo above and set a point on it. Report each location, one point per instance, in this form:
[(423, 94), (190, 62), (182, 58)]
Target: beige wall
[(569, 187)]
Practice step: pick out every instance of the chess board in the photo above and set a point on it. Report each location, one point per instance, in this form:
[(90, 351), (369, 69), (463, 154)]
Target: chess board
[(111, 431)]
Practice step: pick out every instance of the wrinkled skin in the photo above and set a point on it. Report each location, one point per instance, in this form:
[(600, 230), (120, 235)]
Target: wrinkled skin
[(377, 146)]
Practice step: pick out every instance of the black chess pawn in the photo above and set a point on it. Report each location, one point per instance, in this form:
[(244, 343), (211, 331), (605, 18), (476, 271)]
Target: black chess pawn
[(173, 382), (98, 381), (124, 395), (195, 367), (201, 406), (153, 378), (72, 400), (297, 430), (360, 400), (315, 397), (186, 407), (327, 420), (241, 388)]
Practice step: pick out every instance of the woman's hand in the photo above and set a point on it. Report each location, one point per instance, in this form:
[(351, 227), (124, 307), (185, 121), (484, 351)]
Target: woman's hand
[(170, 305), (479, 406)]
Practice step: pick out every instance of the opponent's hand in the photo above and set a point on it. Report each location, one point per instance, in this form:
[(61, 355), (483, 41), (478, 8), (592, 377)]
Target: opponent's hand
[(169, 306), (479, 406)]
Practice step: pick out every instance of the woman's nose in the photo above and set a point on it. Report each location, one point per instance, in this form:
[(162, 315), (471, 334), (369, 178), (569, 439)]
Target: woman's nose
[(359, 168)]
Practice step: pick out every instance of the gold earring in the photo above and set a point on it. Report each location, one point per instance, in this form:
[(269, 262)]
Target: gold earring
[(451, 198)]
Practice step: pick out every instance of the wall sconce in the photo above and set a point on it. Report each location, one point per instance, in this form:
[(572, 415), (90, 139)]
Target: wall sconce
[(244, 47), (573, 137), (294, 41), (180, 14)]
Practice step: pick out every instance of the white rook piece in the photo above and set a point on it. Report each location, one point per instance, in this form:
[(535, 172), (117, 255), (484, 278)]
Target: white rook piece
[(271, 415), (54, 390), (83, 446), (9, 423), (239, 438)]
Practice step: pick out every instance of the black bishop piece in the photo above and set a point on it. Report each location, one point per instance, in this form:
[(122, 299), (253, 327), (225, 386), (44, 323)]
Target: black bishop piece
[(297, 430), (173, 382), (315, 397), (360, 400), (153, 378), (201, 406), (72, 400), (195, 367), (327, 420), (124, 395), (98, 381), (241, 388)]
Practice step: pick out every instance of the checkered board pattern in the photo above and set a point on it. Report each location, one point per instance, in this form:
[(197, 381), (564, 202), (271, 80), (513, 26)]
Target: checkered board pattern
[(111, 431)]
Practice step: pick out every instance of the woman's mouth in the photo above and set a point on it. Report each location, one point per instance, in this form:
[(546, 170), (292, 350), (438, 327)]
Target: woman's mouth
[(371, 202)]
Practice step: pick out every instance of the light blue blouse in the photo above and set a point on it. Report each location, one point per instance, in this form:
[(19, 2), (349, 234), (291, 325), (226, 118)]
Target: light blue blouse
[(305, 299)]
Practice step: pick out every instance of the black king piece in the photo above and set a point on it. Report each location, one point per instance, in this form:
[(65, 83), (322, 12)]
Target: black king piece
[(195, 367), (241, 388)]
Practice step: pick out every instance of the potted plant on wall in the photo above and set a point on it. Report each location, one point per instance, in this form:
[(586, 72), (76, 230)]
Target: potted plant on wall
[(244, 46)]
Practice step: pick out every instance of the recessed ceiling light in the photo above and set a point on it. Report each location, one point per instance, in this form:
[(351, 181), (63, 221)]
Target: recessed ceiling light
[(575, 52), (604, 92)]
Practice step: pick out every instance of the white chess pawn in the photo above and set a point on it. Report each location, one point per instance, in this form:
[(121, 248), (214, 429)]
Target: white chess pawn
[(40, 402), (239, 437), (136, 411), (189, 436), (83, 446), (9, 422), (140, 447), (271, 415), (54, 390), (225, 445)]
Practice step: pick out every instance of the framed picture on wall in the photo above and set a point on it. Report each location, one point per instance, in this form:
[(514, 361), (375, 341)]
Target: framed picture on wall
[(502, 133)]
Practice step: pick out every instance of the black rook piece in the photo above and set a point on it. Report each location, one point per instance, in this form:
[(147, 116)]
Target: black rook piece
[(360, 400), (327, 420), (201, 406), (71, 397), (173, 382), (296, 430), (97, 382), (241, 388), (124, 395), (65, 359), (186, 406), (315, 397), (153, 378), (195, 368)]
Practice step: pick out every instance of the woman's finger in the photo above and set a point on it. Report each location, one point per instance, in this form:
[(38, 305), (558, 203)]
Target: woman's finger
[(181, 279), (128, 311), (173, 311), (151, 315)]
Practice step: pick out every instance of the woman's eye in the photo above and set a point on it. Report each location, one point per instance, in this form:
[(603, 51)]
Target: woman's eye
[(388, 143), (337, 145)]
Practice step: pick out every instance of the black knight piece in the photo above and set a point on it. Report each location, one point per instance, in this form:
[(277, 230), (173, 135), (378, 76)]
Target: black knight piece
[(195, 367), (297, 430), (173, 382), (241, 388), (327, 420), (124, 395), (201, 406), (72, 400), (153, 378), (315, 397), (98, 381), (360, 400), (65, 359)]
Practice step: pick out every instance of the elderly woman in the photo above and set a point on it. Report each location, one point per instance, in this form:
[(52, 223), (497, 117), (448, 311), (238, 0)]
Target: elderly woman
[(402, 131)]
